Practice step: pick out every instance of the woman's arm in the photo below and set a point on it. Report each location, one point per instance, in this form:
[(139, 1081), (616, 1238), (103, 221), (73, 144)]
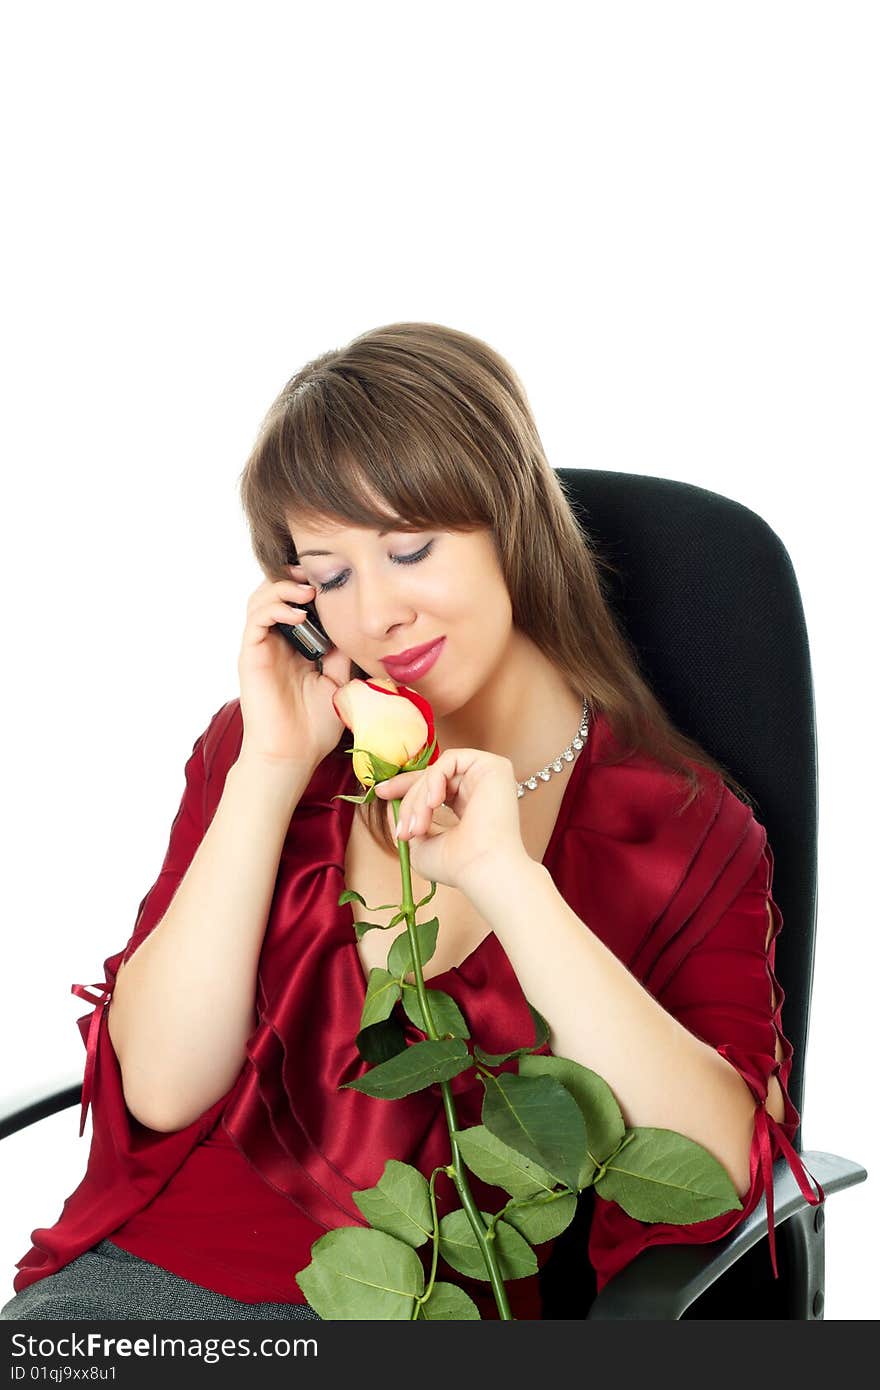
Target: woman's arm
[(183, 1004), (599, 1014)]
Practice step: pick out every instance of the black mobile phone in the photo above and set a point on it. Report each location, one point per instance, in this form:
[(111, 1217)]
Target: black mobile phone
[(307, 637)]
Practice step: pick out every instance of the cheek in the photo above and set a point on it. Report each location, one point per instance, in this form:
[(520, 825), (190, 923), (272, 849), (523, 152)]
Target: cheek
[(471, 600), (446, 597)]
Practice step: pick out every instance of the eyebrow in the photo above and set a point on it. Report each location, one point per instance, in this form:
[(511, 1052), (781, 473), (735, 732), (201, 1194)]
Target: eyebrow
[(303, 553)]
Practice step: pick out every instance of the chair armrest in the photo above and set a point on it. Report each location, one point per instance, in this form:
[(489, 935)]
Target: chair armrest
[(663, 1280), (19, 1109)]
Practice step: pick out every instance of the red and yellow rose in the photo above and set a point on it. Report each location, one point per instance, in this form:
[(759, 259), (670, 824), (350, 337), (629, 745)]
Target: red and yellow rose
[(393, 727)]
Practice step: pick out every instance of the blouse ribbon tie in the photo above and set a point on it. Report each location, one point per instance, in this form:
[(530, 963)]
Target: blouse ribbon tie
[(763, 1120), (92, 1042)]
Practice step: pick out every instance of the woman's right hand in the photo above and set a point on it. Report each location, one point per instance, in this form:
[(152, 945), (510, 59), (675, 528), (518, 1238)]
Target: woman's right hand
[(286, 704)]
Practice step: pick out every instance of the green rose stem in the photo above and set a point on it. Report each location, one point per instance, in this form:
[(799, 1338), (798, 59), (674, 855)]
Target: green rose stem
[(485, 1240)]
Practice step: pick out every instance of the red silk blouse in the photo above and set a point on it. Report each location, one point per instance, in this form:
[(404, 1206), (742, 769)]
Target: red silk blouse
[(235, 1199)]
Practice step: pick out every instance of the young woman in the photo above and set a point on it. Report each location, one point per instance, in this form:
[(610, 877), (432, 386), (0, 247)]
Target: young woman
[(625, 890)]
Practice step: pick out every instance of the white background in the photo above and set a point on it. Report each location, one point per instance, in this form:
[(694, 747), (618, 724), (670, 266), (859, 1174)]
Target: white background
[(664, 216)]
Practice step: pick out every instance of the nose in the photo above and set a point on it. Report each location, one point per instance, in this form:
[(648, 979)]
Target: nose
[(382, 608)]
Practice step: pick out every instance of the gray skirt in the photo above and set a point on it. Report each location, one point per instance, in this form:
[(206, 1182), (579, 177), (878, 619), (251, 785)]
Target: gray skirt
[(108, 1282)]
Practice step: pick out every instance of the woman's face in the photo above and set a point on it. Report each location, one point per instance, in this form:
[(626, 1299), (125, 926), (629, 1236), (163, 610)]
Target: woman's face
[(378, 595)]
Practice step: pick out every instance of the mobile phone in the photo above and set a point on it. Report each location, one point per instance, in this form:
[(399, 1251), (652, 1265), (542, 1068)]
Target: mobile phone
[(307, 637)]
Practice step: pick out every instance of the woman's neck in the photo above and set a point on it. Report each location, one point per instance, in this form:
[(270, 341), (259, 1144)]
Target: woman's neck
[(529, 713)]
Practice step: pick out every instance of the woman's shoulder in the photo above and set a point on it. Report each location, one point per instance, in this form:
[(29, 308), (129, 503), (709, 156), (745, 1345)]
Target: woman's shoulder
[(635, 805), (221, 745), (636, 778), (222, 738)]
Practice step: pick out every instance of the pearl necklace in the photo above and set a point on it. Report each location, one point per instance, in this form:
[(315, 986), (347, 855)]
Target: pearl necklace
[(567, 754)]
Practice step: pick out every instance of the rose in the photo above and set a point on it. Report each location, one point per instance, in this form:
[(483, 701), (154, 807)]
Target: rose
[(392, 726), (547, 1132)]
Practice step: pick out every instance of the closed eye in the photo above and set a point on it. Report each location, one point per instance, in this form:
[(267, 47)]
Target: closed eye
[(339, 580)]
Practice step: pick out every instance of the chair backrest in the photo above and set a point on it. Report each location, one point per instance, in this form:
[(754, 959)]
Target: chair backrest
[(708, 598)]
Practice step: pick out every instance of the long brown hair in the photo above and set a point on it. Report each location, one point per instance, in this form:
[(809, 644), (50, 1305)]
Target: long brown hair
[(438, 425)]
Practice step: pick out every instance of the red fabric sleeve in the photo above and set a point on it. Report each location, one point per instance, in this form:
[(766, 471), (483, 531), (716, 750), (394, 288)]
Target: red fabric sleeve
[(721, 992), (187, 831)]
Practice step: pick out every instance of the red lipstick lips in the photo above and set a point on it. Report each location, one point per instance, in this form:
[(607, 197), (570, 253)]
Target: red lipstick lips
[(409, 665)]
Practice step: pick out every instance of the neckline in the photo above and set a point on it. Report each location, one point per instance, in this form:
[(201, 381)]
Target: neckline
[(563, 816)]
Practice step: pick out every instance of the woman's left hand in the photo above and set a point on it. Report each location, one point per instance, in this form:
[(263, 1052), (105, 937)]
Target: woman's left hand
[(476, 831)]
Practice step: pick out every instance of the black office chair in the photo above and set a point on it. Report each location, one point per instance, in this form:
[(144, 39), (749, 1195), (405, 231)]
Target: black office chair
[(708, 597)]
